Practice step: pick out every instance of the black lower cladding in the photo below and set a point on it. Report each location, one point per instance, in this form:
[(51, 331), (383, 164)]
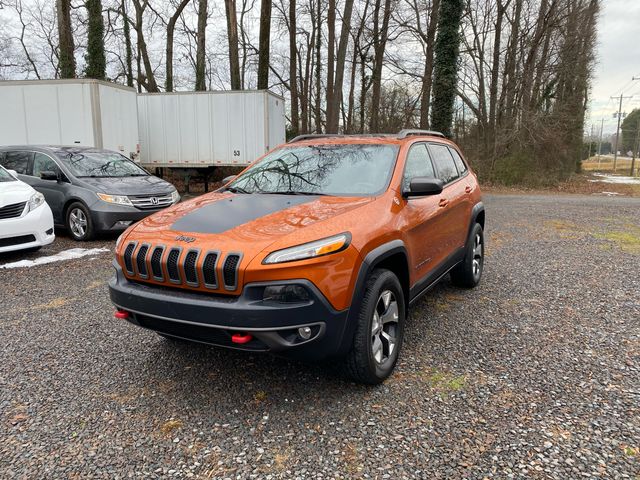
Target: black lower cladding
[(213, 319)]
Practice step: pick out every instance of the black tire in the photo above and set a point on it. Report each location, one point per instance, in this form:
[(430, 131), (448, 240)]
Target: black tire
[(360, 363), (468, 273), (76, 216)]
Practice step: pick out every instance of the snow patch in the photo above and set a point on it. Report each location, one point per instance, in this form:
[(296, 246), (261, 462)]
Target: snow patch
[(70, 254)]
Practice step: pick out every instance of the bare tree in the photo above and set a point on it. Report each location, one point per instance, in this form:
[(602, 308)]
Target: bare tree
[(203, 15), (264, 44), (67, 50), (171, 26)]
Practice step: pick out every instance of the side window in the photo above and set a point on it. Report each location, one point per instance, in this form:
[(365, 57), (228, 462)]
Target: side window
[(444, 163), (418, 165), (462, 167), (18, 161), (43, 163)]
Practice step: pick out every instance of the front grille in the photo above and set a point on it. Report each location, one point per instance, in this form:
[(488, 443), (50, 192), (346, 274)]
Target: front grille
[(12, 211), (141, 261), (209, 270), (156, 266), (190, 272), (191, 267), (19, 240), (151, 202), (172, 265), (229, 272), (128, 260)]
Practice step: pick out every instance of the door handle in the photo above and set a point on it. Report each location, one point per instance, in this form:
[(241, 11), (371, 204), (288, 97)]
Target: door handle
[(443, 202), (467, 189)]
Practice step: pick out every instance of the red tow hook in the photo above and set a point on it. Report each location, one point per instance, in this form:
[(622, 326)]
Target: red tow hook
[(121, 314), (241, 338)]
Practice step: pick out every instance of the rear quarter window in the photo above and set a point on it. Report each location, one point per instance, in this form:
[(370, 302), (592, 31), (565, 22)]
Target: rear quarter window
[(462, 167), (18, 161), (445, 166)]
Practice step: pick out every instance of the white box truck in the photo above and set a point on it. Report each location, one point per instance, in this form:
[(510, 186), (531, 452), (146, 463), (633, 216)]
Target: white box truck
[(69, 112), (197, 130)]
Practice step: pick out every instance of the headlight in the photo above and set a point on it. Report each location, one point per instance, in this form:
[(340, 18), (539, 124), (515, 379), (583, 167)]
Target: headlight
[(310, 250), (117, 199), (35, 201), (175, 196)]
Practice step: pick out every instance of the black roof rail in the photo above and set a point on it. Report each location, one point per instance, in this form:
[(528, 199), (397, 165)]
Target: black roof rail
[(408, 131), (311, 136)]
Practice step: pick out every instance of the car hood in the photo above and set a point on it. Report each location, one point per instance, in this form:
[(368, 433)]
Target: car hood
[(128, 185), (14, 192), (249, 223)]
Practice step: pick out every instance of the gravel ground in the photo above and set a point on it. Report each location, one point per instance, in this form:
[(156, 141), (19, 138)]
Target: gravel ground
[(535, 374)]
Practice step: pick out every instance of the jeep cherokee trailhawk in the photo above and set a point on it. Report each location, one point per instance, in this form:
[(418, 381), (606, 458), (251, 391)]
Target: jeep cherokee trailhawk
[(316, 250)]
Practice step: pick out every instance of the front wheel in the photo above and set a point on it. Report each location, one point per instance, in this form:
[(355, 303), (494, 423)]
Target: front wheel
[(468, 273), (79, 223), (380, 330)]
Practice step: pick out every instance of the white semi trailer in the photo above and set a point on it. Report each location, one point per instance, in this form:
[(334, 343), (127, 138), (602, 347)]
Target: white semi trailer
[(69, 112), (199, 130)]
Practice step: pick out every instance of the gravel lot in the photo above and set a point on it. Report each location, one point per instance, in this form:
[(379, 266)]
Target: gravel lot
[(535, 374)]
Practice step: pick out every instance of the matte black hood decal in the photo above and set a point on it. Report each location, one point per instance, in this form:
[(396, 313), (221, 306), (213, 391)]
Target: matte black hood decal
[(228, 213)]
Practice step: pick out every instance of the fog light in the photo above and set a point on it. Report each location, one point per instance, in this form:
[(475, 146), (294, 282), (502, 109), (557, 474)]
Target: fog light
[(285, 294), (305, 332)]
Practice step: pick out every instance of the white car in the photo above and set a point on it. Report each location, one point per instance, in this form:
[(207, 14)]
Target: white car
[(26, 221)]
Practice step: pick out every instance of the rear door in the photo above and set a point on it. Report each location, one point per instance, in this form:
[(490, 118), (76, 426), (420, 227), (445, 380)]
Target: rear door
[(19, 161), (54, 191), (453, 201)]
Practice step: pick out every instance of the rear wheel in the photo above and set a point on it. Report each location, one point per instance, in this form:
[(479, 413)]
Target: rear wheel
[(79, 223), (380, 329), (468, 273)]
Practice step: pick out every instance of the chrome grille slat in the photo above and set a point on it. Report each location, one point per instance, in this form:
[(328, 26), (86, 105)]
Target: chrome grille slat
[(144, 202)]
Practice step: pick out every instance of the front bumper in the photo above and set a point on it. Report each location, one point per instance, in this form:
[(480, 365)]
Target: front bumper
[(34, 229), (214, 319), (109, 217)]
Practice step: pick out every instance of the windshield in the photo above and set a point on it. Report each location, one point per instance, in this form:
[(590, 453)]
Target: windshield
[(340, 170), (6, 176), (99, 164)]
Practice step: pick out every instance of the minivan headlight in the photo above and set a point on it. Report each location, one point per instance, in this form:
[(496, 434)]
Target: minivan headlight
[(175, 196), (117, 199), (317, 248), (35, 201)]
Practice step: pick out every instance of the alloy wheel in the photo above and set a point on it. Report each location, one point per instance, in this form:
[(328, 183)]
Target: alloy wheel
[(384, 327), (477, 256), (78, 222)]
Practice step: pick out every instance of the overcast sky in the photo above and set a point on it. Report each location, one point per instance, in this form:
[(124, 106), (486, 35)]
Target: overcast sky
[(618, 62)]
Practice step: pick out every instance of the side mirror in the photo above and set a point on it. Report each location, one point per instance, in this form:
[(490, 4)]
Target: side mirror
[(49, 175), (13, 173), (423, 186), (228, 179)]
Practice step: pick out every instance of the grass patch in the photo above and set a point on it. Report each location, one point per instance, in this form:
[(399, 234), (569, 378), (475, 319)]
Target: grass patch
[(627, 240), (445, 383), (168, 427)]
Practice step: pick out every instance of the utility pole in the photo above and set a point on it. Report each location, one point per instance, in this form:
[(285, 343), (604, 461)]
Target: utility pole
[(636, 146), (615, 154), (600, 141)]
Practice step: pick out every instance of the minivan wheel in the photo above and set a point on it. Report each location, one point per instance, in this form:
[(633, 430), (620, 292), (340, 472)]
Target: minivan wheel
[(379, 331), (79, 223), (468, 273)]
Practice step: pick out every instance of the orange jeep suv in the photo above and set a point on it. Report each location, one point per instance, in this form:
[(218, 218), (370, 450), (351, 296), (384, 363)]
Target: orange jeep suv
[(316, 250)]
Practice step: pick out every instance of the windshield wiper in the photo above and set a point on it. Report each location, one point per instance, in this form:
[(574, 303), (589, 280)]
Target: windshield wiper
[(295, 192), (236, 190)]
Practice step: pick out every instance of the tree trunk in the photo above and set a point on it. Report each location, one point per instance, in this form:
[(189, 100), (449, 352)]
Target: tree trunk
[(318, 68), (447, 49), (380, 43), (201, 82), (333, 108), (148, 80), (65, 39), (263, 54), (331, 47), (232, 35), (171, 26), (293, 78), (96, 62), (427, 78), (127, 44)]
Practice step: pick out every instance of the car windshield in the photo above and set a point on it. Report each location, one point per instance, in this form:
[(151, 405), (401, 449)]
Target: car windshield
[(6, 176), (99, 164), (339, 170)]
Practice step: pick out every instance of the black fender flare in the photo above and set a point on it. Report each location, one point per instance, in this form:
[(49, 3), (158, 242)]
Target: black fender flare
[(477, 209), (373, 258)]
